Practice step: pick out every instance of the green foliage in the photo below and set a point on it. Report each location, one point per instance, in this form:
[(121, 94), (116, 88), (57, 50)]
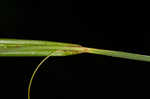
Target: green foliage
[(18, 47)]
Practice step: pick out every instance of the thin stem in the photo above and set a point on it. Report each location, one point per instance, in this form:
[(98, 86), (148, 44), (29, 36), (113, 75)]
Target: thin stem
[(35, 71)]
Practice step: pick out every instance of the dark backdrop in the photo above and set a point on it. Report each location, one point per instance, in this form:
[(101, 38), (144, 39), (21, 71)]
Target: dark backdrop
[(120, 26)]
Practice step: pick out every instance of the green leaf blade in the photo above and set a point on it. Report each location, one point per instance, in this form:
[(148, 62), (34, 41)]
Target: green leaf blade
[(120, 54), (7, 41)]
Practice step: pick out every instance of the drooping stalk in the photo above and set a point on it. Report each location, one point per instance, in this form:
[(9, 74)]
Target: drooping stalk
[(33, 74)]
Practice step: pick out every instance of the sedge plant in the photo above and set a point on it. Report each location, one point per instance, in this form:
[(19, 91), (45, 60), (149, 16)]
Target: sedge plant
[(29, 48)]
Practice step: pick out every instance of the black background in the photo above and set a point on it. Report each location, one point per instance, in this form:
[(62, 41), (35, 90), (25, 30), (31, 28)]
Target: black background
[(120, 26)]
